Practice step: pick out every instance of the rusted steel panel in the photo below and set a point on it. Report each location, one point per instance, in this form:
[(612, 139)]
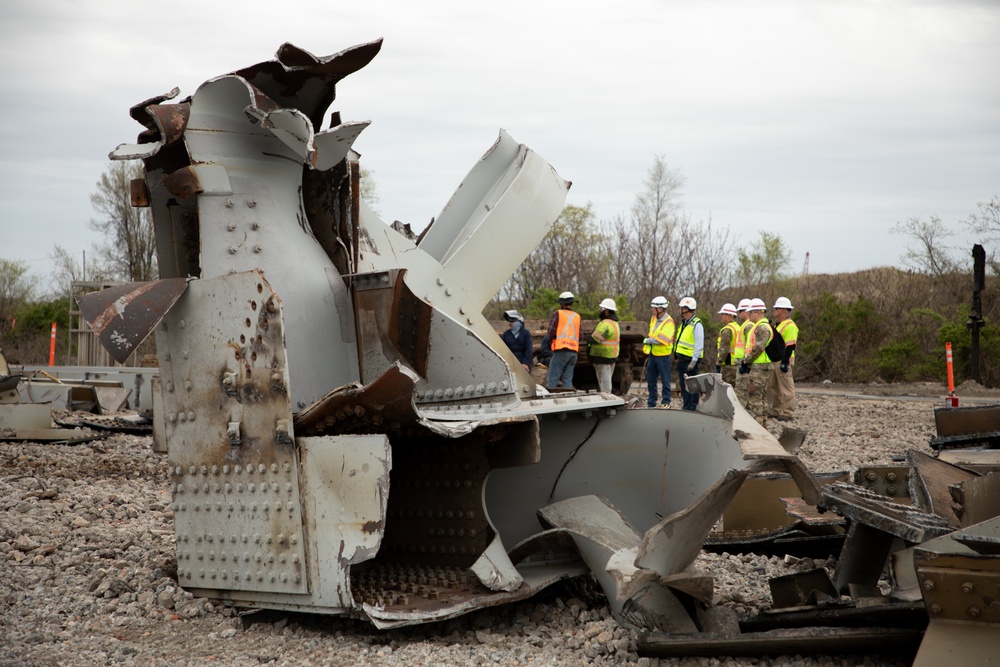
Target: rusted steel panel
[(801, 589), (978, 499), (814, 640), (930, 484), (123, 316), (861, 505), (965, 421)]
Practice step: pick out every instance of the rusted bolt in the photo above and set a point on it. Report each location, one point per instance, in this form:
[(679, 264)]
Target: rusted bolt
[(973, 611), (935, 609), (871, 476), (891, 476), (967, 587), (929, 585), (891, 491)]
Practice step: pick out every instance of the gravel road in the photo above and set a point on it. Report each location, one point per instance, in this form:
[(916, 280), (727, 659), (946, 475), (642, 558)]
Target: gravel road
[(87, 565)]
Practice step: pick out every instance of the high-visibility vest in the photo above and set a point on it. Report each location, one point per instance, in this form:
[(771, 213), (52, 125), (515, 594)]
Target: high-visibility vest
[(685, 341), (790, 332), (734, 332), (762, 358), (663, 334), (567, 331), (740, 349), (608, 336)]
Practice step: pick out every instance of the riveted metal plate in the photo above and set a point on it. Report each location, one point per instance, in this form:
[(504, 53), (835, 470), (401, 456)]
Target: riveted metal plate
[(235, 489), (960, 594), (885, 480)]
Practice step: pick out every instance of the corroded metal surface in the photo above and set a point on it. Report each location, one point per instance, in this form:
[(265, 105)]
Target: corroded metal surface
[(123, 316)]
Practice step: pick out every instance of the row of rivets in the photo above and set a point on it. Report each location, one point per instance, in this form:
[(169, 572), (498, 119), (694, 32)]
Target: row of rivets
[(248, 576), (228, 488), (231, 507), (236, 469), (244, 538)]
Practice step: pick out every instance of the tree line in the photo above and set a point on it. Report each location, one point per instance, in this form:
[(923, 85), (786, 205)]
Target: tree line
[(883, 324)]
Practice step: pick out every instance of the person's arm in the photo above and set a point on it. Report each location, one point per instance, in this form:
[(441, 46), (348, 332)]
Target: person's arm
[(725, 348), (699, 343)]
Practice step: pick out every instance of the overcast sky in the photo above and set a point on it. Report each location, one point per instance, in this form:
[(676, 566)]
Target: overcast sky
[(824, 122)]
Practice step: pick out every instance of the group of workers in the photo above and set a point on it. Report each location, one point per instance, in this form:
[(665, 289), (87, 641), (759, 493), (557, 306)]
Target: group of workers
[(764, 386)]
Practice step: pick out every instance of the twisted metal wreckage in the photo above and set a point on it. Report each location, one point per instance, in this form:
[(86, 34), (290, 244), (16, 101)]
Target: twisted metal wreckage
[(346, 432)]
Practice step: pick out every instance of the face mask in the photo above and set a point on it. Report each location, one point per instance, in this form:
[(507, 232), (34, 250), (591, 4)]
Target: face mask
[(516, 327)]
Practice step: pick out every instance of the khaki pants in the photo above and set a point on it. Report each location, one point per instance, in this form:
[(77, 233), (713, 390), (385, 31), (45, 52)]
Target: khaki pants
[(756, 384), (781, 390), (604, 373)]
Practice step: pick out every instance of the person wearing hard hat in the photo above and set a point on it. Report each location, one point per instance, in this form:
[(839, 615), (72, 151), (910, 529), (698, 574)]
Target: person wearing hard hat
[(604, 344), (518, 339), (743, 320), (564, 332), (658, 345), (781, 385), (725, 345), (689, 346), (756, 365)]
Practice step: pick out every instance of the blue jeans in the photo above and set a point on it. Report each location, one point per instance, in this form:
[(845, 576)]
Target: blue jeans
[(690, 400), (561, 367), (657, 367)]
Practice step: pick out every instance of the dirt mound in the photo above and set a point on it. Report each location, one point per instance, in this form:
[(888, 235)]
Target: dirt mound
[(972, 388)]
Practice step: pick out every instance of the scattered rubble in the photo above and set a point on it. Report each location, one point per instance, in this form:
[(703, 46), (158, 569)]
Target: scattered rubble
[(87, 553)]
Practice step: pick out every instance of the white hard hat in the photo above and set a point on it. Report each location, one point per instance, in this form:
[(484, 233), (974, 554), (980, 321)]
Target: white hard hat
[(689, 303), (609, 304), (567, 297), (511, 315), (659, 302), (744, 305), (783, 302), (727, 309), (757, 304)]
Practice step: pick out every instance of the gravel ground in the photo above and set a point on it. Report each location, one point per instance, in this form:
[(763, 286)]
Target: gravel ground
[(87, 565)]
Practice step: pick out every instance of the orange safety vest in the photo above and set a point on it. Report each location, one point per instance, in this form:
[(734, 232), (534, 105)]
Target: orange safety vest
[(740, 348), (567, 331)]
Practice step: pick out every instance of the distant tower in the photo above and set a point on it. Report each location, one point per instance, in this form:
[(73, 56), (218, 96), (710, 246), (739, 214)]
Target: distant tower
[(805, 266)]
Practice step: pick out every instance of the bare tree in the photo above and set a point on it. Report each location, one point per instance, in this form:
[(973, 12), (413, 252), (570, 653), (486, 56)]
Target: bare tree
[(928, 253), (129, 248), (654, 220), (16, 288), (705, 267), (987, 223), (570, 257)]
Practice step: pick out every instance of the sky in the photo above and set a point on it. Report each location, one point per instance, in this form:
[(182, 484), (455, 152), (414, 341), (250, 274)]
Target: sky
[(823, 122)]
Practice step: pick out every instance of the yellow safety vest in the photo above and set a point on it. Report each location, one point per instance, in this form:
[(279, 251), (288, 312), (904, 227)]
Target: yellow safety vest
[(762, 358), (567, 331), (663, 335), (790, 332), (685, 342), (733, 338), (608, 336)]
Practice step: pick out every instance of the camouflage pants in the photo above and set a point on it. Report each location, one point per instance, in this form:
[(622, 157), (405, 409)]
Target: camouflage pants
[(756, 396), (729, 375)]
